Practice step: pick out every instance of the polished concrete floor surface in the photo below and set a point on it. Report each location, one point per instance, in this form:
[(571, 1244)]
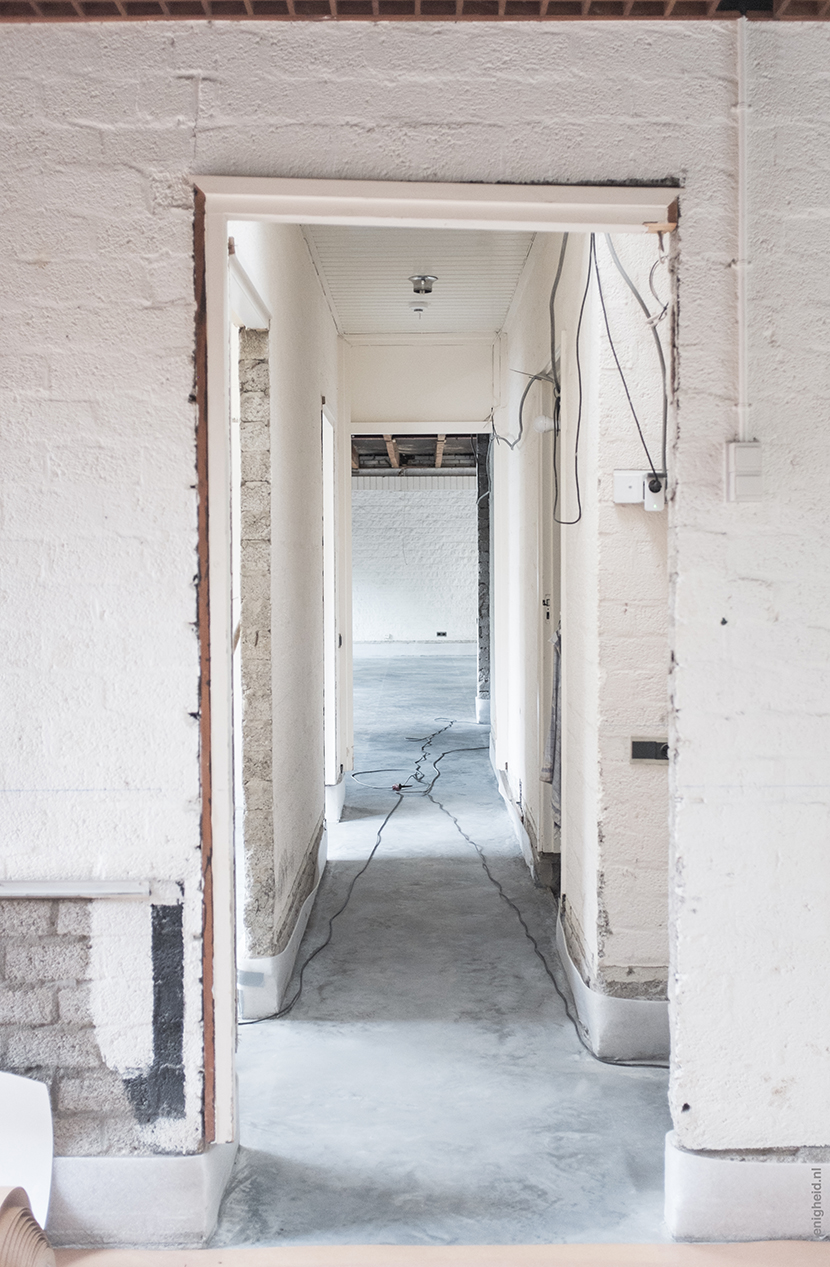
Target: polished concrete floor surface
[(428, 1088)]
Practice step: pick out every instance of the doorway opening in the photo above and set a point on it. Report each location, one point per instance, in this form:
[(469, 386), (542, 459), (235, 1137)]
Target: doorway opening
[(344, 395)]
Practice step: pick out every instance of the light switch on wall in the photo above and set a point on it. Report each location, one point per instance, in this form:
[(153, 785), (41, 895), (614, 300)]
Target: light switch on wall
[(744, 474)]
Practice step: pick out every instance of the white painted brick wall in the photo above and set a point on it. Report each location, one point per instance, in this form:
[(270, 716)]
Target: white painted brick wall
[(414, 561), (102, 125)]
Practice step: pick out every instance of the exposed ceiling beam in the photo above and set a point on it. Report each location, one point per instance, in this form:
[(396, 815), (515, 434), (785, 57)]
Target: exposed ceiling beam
[(392, 450), (439, 450)]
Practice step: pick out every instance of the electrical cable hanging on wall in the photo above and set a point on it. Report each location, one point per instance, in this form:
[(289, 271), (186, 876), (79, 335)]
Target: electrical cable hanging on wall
[(551, 375)]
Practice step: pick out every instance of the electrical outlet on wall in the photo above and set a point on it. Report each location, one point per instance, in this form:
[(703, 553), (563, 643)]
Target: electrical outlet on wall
[(633, 488)]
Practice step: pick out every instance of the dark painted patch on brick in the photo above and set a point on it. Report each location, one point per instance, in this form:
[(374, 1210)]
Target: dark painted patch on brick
[(160, 1091)]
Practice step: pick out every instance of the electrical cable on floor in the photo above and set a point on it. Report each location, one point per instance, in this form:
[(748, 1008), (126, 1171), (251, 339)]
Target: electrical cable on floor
[(626, 1064), (427, 792), (283, 1011), (425, 742)]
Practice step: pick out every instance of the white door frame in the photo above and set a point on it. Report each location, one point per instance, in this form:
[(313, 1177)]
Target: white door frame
[(534, 208)]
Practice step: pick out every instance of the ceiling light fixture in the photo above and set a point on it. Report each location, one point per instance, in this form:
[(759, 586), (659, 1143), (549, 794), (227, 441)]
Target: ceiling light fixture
[(422, 283)]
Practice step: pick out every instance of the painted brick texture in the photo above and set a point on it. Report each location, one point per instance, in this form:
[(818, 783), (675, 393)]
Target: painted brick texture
[(47, 1030), (414, 563), (102, 129)]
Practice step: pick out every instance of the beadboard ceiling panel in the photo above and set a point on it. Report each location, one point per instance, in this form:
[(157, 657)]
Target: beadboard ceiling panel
[(366, 271)]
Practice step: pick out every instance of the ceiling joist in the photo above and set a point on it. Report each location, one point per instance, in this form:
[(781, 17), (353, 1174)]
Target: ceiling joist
[(38, 11), (413, 454), (392, 450)]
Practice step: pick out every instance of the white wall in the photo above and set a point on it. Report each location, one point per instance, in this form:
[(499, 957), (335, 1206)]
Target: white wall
[(104, 126), (614, 635), (525, 545), (414, 560), (431, 379)]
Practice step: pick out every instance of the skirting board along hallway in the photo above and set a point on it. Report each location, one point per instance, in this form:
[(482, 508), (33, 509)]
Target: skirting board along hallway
[(262, 983), (757, 1254), (616, 1029)]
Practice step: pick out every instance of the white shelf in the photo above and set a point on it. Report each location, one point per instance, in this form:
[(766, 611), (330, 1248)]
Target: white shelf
[(74, 888)]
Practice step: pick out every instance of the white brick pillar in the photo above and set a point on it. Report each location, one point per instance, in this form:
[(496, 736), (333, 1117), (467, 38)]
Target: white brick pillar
[(615, 658)]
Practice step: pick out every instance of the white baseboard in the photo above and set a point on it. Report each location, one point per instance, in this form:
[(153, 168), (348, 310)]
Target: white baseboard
[(262, 982), (515, 817), (335, 800), (616, 1029), (138, 1202), (483, 710), (734, 1198)]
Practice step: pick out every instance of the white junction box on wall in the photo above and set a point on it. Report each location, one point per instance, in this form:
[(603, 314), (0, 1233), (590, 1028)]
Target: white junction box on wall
[(744, 476), (632, 488)]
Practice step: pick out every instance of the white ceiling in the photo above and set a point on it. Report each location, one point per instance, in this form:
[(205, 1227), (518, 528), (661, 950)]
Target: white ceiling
[(365, 272)]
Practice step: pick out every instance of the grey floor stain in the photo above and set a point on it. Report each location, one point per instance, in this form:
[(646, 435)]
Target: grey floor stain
[(428, 1087)]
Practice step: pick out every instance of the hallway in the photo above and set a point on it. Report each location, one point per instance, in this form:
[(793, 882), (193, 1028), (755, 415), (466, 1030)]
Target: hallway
[(428, 1088)]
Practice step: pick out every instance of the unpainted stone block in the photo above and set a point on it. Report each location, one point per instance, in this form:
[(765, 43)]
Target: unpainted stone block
[(37, 1006), (256, 645), (255, 465), (254, 407), (258, 736), (21, 918), (74, 918), (255, 564), (256, 608), (74, 1004), (101, 1091), (79, 1135), (121, 1137), (53, 1047), (257, 679), (54, 960), (253, 344), (258, 766), (256, 515), (259, 794), (255, 437), (253, 376)]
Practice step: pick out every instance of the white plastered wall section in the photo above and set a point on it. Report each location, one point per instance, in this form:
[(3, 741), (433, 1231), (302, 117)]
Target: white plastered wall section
[(97, 345), (431, 379), (525, 566), (615, 643), (751, 686)]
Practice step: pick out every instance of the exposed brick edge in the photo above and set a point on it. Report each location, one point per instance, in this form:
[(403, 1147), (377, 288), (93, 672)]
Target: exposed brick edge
[(203, 623)]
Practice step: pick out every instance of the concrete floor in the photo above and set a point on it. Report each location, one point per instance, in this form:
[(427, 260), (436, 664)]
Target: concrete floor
[(428, 1088)]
